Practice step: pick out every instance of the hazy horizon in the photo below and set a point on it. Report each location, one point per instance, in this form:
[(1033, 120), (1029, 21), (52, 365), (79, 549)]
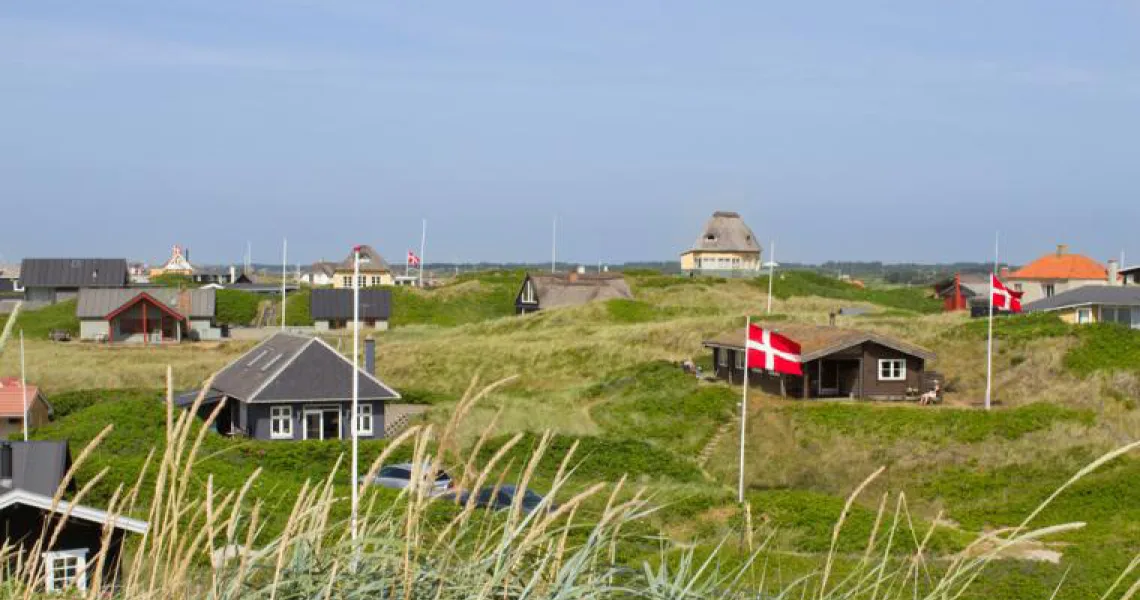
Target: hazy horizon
[(850, 131)]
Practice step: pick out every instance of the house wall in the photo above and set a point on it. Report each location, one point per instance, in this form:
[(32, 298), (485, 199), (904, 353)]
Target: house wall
[(40, 295), (378, 325), (719, 263), (205, 329), (23, 527), (91, 329), (257, 423), (38, 415), (370, 279), (1035, 289)]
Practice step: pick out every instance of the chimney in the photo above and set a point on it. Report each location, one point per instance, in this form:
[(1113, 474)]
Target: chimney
[(233, 274), (1113, 272), (184, 303), (572, 276), (1004, 272), (1062, 249), (6, 462), (370, 355)]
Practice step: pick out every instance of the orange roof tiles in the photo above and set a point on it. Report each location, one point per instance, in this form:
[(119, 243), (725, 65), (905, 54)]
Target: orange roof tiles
[(12, 397), (1060, 265)]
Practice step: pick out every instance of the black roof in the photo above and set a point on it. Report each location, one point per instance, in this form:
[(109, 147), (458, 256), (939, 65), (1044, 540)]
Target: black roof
[(290, 367), (336, 304), (1089, 295), (74, 272), (38, 466)]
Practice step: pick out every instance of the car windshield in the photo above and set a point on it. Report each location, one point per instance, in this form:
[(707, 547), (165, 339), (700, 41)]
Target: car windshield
[(395, 473)]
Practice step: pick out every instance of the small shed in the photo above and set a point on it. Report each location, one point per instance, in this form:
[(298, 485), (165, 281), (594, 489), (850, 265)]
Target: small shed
[(13, 397), (837, 363)]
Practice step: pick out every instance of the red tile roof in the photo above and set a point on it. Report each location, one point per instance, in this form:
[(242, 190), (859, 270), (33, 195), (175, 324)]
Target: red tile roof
[(1061, 265), (12, 397)]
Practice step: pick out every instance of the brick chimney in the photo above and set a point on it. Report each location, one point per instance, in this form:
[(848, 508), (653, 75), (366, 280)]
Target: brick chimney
[(1004, 273), (1062, 249), (1113, 272)]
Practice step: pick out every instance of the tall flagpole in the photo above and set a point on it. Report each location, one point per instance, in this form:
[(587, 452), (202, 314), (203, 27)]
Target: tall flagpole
[(24, 385), (771, 274), (355, 485), (284, 276), (423, 244), (990, 340), (743, 411)]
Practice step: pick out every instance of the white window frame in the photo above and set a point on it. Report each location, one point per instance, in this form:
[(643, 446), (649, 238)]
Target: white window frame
[(79, 555), (722, 357), (1087, 318), (896, 369), (346, 280), (364, 415), (528, 293), (375, 280), (279, 413), (739, 356), (1048, 290)]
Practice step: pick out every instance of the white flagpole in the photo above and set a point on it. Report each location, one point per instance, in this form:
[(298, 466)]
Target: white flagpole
[(24, 385), (354, 484), (284, 276), (423, 244), (743, 411), (990, 339), (771, 274)]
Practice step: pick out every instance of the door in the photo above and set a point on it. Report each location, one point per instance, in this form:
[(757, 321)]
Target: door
[(312, 425), (322, 424)]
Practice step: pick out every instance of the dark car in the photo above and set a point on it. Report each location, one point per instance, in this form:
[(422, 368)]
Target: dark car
[(503, 497)]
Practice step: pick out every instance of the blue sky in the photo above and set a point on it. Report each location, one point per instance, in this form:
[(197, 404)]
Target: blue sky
[(896, 131)]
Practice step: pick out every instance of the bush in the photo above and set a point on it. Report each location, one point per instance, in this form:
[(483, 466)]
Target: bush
[(791, 284), (1104, 348), (173, 280), (597, 458), (39, 323), (967, 426), (297, 309), (492, 296), (235, 307), (1015, 328), (66, 403)]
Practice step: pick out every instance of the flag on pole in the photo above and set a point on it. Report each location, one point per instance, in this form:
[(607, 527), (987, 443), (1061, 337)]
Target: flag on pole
[(772, 352), (1002, 297), (413, 260)]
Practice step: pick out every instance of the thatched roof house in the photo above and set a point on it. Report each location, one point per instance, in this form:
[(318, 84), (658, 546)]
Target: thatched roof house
[(553, 290), (726, 247)]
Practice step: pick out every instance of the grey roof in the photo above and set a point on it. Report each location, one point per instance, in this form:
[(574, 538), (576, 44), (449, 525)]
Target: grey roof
[(1109, 295), (726, 232), (289, 367), (39, 466), (370, 261), (554, 290), (1130, 270), (324, 267), (74, 272), (98, 303), (336, 304)]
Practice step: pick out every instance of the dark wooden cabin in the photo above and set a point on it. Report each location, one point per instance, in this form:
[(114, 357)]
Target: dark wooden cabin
[(30, 475), (837, 363)]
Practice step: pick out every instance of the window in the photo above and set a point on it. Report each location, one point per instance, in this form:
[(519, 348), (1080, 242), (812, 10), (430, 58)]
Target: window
[(281, 422), (739, 360), (360, 281), (66, 569), (528, 293), (1084, 316), (1017, 286), (364, 419), (1047, 289), (722, 357), (375, 280), (892, 369), (346, 280)]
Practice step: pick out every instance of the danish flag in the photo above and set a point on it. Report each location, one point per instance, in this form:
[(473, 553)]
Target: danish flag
[(413, 260), (773, 352), (1003, 297)]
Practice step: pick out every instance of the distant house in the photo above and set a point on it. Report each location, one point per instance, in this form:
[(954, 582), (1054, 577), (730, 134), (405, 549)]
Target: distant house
[(322, 273), (725, 248), (10, 279), (12, 398), (177, 264), (961, 290), (51, 280), (295, 387), (1058, 272), (332, 308), (837, 363), (1094, 304), (220, 276), (151, 315), (252, 288), (30, 475), (374, 270), (542, 291), (1130, 275)]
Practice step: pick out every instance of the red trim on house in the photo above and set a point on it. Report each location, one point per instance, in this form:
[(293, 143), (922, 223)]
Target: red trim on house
[(139, 298)]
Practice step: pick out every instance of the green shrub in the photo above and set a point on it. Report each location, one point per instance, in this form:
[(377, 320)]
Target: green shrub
[(1015, 328), (451, 305), (66, 403), (297, 309), (173, 280), (40, 322), (597, 458), (791, 284), (235, 307), (934, 425), (1104, 348)]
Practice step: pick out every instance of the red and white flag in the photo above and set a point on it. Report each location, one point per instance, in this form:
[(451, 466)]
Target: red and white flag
[(413, 260), (1003, 297), (772, 352)]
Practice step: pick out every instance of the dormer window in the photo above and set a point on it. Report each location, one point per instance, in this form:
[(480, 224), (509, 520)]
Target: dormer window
[(710, 237)]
